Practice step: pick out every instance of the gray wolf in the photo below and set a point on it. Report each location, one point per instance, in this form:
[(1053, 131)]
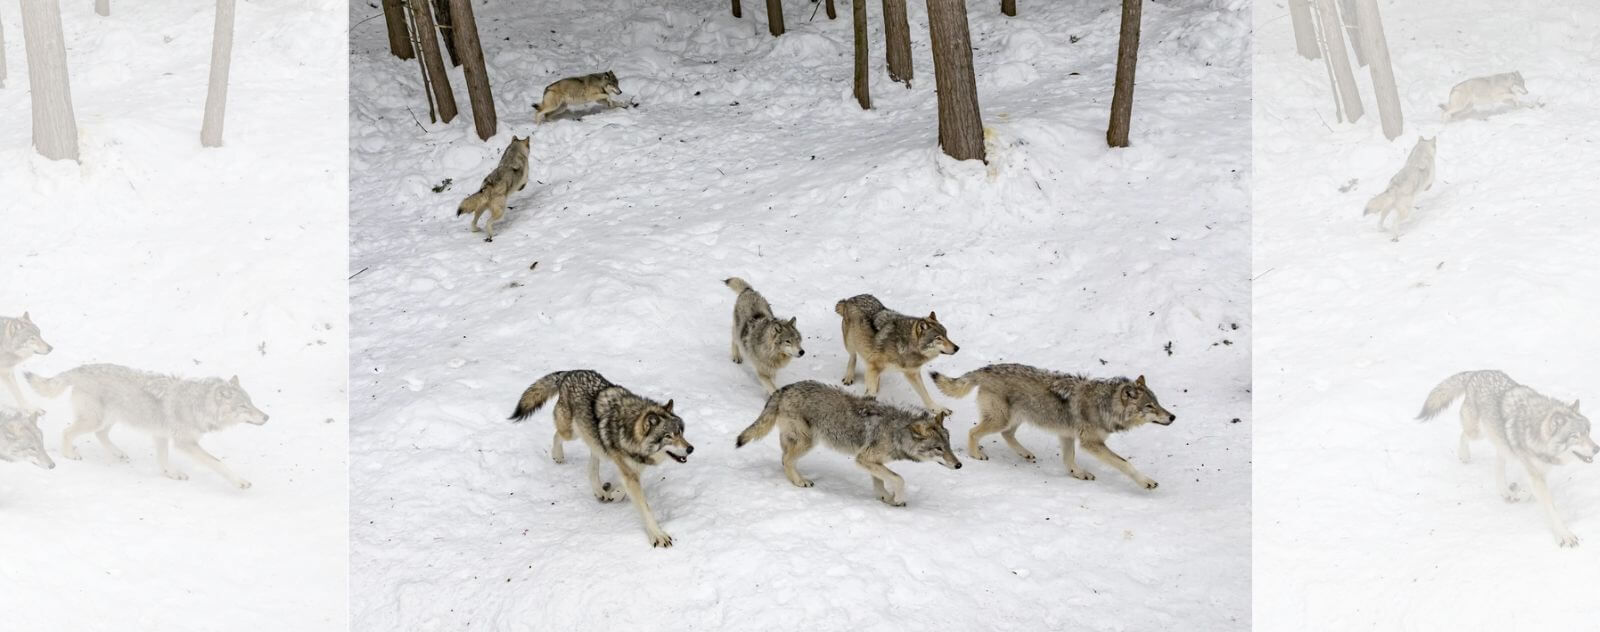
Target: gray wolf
[(1537, 431), (1414, 178), (19, 340), (21, 439), (889, 339), (769, 341), (1078, 409), (600, 87), (617, 425), (1478, 92), (874, 432), (170, 409), (510, 176)]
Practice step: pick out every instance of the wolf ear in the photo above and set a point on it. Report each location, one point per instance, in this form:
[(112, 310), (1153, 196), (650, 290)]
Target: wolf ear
[(921, 430), (1574, 405), (791, 321), (234, 380), (933, 317), (940, 416), (668, 406), (1139, 382), (25, 318)]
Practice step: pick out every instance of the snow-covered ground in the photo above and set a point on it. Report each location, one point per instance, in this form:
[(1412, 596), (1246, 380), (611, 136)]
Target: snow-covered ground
[(1364, 518), (156, 253), (749, 157)]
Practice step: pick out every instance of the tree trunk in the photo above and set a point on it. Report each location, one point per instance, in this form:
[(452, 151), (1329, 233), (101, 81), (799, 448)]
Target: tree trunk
[(1127, 60), (897, 40), (960, 126), (55, 129), (1352, 29), (441, 15), (466, 29), (217, 91), (2, 55), (394, 15), (828, 6), (432, 62), (103, 7), (1305, 31), (1009, 7), (1345, 95), (858, 15), (775, 17), (1377, 47), (738, 12)]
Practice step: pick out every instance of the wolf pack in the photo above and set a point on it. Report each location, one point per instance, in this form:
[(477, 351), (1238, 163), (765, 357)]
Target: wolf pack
[(174, 412), (632, 432), (1479, 96)]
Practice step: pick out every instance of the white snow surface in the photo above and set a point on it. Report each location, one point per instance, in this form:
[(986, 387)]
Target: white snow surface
[(156, 253), (749, 157), (1364, 517)]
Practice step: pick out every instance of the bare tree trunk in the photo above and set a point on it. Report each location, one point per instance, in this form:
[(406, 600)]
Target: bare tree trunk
[(2, 56), (1009, 7), (432, 61), (217, 91), (960, 126), (1345, 94), (394, 15), (738, 12), (858, 15), (775, 17), (1377, 47), (466, 29), (1127, 61), (55, 129), (1305, 31), (103, 7), (1352, 29), (828, 6), (897, 41), (441, 15)]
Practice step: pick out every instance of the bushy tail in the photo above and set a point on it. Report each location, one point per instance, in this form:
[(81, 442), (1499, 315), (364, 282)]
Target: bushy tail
[(1439, 398), (49, 386), (473, 203), (536, 395), (1379, 202), (737, 284), (763, 424), (954, 386)]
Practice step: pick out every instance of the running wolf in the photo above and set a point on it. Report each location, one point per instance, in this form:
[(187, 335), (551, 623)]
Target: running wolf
[(600, 87), (21, 439), (19, 340), (770, 342), (1414, 178), (170, 409), (630, 431), (1478, 92), (1537, 431), (510, 176), (889, 339), (874, 432), (1074, 407)]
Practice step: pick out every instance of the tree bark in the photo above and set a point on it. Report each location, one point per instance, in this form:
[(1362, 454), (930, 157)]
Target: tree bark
[(103, 7), (432, 63), (441, 15), (466, 29), (1009, 7), (55, 128), (1305, 31), (1345, 94), (1377, 47), (394, 15), (2, 55), (738, 11), (1352, 29), (1127, 61), (217, 91), (775, 17), (897, 41), (858, 15), (828, 6), (960, 126)]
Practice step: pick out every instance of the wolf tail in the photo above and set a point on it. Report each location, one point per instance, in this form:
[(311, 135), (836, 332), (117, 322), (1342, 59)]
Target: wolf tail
[(1378, 202), (764, 423), (954, 386), (536, 395), (1441, 396), (473, 203), (739, 285), (49, 386)]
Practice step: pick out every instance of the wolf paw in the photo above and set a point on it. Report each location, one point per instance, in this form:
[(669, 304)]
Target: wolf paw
[(608, 494), (1082, 475), (849, 379), (661, 539), (737, 360), (176, 475), (1029, 457), (978, 455), (804, 482), (242, 484), (488, 240), (1567, 540), (891, 501), (121, 456), (1149, 484), (73, 455), (1513, 494)]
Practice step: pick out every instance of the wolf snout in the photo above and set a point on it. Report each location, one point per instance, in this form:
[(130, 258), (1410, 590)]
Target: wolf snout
[(800, 354), (688, 450)]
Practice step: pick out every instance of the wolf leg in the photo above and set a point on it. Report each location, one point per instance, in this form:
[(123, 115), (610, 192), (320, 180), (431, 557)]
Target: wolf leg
[(563, 418), (496, 210), (992, 416), (192, 448), (1564, 537), (14, 389), (630, 480), (795, 445), (603, 492), (88, 421), (914, 376), (850, 370), (165, 463), (104, 435), (1069, 455), (733, 345), (895, 493), (1100, 451), (1508, 491), (874, 376), (766, 383)]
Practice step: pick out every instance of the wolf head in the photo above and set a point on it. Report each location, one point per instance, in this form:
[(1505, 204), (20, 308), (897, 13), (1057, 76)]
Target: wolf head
[(659, 432), (1517, 87), (612, 87), (521, 143), (1566, 433), (233, 405), (931, 337), (786, 337), (926, 439), (22, 337), (21, 439), (1428, 146), (1139, 405)]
